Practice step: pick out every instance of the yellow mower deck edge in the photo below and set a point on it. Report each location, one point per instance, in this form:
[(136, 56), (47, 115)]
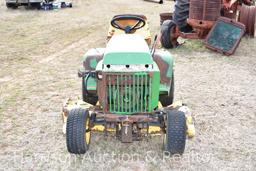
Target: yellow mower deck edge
[(70, 104)]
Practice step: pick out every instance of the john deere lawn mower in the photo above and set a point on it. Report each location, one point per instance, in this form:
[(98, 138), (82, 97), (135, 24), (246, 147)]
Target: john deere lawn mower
[(128, 90)]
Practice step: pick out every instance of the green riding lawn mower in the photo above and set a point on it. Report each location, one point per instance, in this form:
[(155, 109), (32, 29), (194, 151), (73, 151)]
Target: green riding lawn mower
[(128, 90)]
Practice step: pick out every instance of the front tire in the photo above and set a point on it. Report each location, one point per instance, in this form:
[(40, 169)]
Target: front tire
[(175, 137), (78, 131)]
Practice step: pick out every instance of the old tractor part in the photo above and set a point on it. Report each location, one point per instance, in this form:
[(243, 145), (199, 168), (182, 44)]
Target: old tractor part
[(134, 86), (242, 11), (225, 36), (193, 19), (203, 14), (126, 132), (247, 17), (168, 34), (230, 8), (165, 16)]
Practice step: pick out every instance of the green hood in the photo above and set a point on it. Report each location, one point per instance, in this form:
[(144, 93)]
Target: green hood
[(126, 49)]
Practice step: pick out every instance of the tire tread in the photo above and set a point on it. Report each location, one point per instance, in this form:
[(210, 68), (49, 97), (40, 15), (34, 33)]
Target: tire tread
[(76, 131), (175, 132)]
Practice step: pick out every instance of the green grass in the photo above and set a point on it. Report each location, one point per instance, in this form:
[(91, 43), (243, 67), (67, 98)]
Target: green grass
[(191, 44)]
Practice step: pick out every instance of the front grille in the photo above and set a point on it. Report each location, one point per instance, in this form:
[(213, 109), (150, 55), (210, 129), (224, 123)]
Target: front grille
[(128, 93)]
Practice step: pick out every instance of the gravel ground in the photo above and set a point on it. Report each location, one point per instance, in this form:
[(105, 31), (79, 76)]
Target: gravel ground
[(40, 53)]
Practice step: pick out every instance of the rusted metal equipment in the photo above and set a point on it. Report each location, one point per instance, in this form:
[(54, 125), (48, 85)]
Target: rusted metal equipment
[(193, 19), (202, 15), (242, 11), (124, 125), (132, 89), (247, 17), (225, 36), (165, 16)]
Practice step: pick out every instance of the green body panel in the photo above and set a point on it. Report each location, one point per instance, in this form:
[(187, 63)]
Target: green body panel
[(93, 63), (164, 88), (91, 84), (165, 56), (168, 59), (127, 49), (143, 94), (92, 56), (127, 58), (155, 90)]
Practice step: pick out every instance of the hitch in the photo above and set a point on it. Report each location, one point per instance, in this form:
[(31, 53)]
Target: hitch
[(126, 133)]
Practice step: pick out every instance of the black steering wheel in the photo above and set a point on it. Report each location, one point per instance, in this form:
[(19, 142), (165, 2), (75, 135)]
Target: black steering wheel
[(139, 22)]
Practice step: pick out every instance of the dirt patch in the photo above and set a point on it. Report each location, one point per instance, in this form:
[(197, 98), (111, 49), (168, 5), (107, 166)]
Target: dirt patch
[(40, 54)]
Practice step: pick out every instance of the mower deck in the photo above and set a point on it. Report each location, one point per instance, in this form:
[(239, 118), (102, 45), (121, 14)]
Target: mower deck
[(123, 125)]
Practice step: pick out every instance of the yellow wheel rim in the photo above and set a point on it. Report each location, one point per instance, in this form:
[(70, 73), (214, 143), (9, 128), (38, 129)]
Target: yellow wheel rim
[(87, 136)]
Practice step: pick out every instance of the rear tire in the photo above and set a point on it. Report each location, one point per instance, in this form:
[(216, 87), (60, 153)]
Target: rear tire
[(78, 133), (92, 99), (167, 29), (167, 99), (175, 139)]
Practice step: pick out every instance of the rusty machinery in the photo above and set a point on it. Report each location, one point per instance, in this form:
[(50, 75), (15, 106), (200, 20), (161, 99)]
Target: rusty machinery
[(193, 19), (127, 88)]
